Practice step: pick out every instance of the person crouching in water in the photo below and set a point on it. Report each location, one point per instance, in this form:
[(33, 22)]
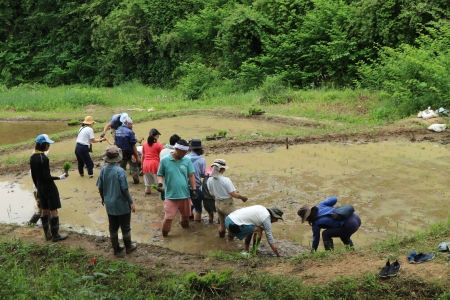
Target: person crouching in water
[(46, 188), (253, 220), (113, 187), (319, 217)]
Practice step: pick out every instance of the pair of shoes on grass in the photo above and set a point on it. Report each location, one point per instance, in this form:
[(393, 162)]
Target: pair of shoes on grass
[(417, 258), (390, 270)]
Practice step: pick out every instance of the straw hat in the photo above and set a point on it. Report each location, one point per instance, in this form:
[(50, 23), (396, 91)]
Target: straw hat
[(89, 120)]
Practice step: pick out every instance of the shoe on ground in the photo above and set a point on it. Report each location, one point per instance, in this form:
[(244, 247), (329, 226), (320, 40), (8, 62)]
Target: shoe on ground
[(421, 257), (91, 176), (444, 246), (384, 272), (411, 256), (393, 269)]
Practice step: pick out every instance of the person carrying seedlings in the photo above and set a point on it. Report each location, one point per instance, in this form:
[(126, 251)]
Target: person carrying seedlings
[(246, 222), (320, 217), (126, 140), (177, 172), (199, 164), (84, 140), (114, 123), (114, 190), (150, 159), (223, 191), (46, 188)]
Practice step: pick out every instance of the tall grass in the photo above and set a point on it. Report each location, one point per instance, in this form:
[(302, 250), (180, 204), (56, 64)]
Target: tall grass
[(346, 105)]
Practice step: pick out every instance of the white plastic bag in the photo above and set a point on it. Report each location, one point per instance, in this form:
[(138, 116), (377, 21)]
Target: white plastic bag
[(437, 127)]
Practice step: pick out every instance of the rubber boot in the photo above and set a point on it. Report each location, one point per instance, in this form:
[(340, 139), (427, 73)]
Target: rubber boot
[(46, 228), (165, 233), (34, 218), (54, 223), (127, 241), (328, 245), (115, 243), (136, 179)]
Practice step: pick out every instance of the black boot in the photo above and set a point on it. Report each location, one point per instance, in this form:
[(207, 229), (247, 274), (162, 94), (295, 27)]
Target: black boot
[(47, 232), (34, 219), (127, 241), (348, 243), (54, 223), (115, 243), (328, 245)]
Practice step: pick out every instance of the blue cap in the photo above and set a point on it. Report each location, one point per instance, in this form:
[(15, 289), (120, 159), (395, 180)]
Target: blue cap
[(43, 138)]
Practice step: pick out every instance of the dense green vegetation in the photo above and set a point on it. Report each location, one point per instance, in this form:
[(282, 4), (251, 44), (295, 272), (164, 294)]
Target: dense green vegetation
[(202, 48), (51, 271)]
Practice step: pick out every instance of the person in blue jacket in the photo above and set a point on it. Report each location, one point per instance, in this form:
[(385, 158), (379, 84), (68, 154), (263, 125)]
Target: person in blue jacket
[(319, 217)]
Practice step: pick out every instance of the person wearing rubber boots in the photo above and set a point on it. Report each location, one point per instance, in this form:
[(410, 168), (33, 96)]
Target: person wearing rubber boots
[(126, 140), (46, 188), (114, 190), (177, 173)]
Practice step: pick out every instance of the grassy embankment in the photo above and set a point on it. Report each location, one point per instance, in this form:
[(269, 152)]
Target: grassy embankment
[(31, 271)]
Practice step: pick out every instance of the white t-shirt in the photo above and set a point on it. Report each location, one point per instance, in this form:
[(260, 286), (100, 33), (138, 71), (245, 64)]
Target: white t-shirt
[(220, 187), (85, 135), (256, 215), (165, 151)]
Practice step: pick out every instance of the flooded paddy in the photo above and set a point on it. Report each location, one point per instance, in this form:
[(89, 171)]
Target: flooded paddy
[(16, 132), (395, 187)]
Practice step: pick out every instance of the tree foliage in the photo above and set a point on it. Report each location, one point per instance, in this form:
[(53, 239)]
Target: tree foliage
[(194, 45)]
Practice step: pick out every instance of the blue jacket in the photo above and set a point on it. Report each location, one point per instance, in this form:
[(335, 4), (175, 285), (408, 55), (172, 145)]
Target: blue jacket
[(125, 139), (325, 207)]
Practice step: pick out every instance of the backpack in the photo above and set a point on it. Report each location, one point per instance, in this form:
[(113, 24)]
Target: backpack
[(340, 213)]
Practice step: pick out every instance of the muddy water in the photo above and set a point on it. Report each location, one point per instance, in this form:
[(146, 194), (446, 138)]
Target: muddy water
[(396, 188), (15, 132)]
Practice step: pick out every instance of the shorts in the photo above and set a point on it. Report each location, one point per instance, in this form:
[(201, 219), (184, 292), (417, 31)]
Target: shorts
[(150, 178), (197, 202), (224, 208), (49, 196), (172, 206), (209, 205), (243, 230)]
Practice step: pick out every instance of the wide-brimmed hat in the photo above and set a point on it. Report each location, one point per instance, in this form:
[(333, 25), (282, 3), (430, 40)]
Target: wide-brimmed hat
[(220, 163), (89, 120), (276, 212), (112, 154), (43, 138), (304, 212), (195, 144)]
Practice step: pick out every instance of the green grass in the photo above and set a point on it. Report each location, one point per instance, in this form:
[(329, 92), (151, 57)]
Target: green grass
[(41, 102), (29, 271)]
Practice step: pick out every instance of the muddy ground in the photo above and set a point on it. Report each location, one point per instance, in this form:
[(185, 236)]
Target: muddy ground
[(349, 264)]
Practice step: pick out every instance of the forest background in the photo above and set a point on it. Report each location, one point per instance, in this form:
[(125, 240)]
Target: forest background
[(204, 48)]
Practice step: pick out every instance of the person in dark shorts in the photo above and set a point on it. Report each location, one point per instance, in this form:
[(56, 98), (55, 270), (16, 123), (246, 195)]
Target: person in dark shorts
[(46, 188)]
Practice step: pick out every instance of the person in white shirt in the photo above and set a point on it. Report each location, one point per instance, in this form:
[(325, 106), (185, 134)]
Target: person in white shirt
[(223, 191), (247, 221), (84, 140), (169, 149)]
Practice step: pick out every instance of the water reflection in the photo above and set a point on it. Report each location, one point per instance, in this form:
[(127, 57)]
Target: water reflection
[(16, 132), (396, 188)]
